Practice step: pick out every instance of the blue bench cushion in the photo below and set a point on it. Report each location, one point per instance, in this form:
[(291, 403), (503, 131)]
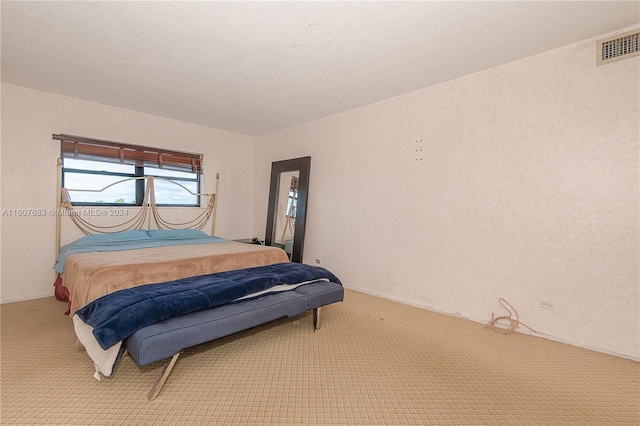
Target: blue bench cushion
[(167, 338)]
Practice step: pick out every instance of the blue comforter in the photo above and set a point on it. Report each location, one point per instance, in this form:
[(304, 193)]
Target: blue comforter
[(118, 315)]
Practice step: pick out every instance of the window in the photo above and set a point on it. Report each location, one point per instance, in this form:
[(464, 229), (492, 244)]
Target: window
[(94, 175), (90, 165)]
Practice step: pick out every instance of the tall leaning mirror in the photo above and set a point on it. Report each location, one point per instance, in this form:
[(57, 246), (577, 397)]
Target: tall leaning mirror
[(286, 214)]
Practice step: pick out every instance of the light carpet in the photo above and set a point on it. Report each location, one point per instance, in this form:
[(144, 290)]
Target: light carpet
[(373, 362)]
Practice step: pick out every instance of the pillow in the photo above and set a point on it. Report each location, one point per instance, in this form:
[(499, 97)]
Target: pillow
[(136, 234), (175, 234)]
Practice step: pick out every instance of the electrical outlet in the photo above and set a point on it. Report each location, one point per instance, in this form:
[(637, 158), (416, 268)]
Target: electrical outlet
[(546, 304)]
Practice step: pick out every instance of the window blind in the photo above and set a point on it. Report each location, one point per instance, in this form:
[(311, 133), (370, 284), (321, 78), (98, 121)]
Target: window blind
[(137, 155)]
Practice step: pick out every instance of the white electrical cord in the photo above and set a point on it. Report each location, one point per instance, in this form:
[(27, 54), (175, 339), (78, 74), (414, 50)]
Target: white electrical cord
[(513, 322)]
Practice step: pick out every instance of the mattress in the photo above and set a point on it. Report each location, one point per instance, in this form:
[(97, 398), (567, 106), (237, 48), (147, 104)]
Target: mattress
[(89, 276)]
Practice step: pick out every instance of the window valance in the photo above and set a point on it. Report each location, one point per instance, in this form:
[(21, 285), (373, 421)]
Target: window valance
[(116, 152)]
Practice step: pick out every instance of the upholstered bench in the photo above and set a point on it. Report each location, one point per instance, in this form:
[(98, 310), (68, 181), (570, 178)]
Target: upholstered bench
[(168, 338)]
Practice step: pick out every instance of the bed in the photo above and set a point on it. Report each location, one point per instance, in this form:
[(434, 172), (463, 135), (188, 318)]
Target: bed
[(247, 285), (96, 265)]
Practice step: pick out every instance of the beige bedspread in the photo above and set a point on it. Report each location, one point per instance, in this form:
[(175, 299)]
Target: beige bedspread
[(89, 276)]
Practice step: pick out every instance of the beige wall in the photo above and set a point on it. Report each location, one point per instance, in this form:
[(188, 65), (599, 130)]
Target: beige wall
[(518, 182), (30, 117)]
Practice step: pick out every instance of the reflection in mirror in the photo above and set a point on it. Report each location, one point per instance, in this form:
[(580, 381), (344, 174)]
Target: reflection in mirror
[(287, 206), (286, 211)]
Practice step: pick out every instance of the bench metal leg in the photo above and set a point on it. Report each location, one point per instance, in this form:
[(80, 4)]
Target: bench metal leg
[(155, 390), (316, 319)]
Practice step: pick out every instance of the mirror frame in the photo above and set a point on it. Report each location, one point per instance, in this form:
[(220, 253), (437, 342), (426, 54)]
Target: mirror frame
[(303, 165)]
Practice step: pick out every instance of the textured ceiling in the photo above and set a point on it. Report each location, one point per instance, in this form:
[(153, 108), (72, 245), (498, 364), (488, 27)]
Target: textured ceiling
[(258, 67)]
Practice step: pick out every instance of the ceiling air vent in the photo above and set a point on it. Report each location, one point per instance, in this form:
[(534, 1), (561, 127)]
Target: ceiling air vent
[(621, 46)]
